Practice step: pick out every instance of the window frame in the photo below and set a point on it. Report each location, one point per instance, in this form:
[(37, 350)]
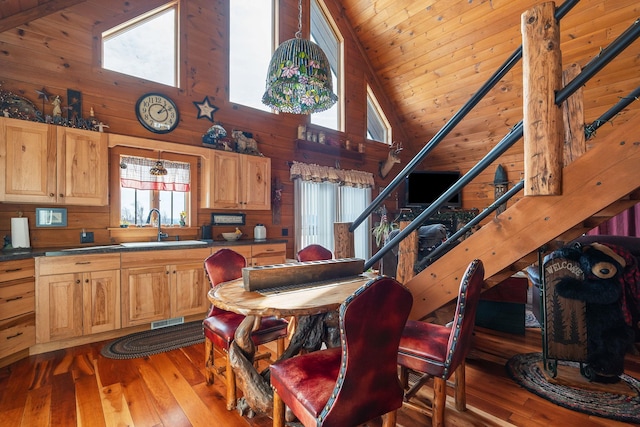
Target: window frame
[(114, 185), (381, 118), (149, 8), (338, 89), (260, 72)]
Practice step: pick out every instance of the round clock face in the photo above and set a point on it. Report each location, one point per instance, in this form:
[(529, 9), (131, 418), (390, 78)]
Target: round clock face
[(157, 113)]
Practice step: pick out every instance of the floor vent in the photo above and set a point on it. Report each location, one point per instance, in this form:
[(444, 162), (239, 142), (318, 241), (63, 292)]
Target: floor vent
[(167, 322)]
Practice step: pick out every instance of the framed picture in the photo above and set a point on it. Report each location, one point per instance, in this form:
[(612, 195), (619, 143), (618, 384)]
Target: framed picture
[(51, 217), (223, 218)]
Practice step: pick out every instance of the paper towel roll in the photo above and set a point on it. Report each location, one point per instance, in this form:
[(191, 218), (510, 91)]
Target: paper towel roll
[(20, 233)]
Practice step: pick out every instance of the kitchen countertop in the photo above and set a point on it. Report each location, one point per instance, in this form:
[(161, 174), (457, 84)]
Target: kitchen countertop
[(25, 253)]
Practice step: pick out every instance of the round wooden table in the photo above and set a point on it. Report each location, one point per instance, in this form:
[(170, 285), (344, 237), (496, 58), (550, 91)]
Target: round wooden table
[(303, 302)]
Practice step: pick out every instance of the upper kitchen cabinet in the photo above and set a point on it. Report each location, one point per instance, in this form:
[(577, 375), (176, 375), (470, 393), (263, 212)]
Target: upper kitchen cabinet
[(52, 164), (239, 181)]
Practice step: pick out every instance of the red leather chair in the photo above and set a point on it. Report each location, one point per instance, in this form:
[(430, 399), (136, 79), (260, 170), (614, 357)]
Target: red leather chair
[(314, 253), (437, 351), (354, 383), (220, 325)]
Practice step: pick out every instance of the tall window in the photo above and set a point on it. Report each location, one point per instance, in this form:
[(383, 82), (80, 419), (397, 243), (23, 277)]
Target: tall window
[(323, 196), (324, 34), (145, 47), (318, 205), (378, 127), (251, 41)]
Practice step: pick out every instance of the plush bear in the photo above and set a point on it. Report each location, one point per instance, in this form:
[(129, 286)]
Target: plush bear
[(609, 334)]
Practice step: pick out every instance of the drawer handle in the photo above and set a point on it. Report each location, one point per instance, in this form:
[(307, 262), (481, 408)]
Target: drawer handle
[(83, 262), (14, 299), (12, 270), (15, 336), (270, 250)]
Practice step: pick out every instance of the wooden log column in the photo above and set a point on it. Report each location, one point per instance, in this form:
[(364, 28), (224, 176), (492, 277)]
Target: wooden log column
[(343, 238), (575, 141), (407, 255), (543, 126)]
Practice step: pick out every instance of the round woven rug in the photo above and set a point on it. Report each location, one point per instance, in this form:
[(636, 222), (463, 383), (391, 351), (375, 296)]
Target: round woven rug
[(526, 370), (155, 341)]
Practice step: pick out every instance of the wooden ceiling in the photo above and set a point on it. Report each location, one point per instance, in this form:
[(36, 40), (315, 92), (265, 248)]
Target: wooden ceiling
[(430, 56)]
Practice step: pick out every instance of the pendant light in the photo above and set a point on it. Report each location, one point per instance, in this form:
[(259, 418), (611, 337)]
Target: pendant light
[(299, 77)]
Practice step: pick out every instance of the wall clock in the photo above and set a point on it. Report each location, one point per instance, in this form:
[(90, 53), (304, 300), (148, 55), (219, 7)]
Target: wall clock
[(157, 113)]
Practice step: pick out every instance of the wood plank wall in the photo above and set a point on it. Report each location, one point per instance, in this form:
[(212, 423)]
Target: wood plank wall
[(423, 61), (57, 52)]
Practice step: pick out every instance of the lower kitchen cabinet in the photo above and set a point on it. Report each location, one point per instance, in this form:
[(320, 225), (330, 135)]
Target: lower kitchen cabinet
[(17, 305), (76, 295), (163, 288)]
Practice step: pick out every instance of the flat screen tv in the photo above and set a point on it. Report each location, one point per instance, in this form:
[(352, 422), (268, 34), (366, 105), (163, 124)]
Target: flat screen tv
[(422, 188)]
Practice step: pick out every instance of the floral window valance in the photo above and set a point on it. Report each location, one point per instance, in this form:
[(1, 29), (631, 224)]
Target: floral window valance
[(135, 172), (316, 173)]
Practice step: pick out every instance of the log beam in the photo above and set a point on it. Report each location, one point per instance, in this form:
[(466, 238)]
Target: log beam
[(542, 71)]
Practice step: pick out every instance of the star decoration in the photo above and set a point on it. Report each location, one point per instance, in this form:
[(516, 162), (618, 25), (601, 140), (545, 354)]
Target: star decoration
[(43, 94), (205, 109)]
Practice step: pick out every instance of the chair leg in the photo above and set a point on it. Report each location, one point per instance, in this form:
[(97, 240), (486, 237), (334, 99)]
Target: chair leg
[(439, 401), (404, 377), (278, 410), (389, 419), (231, 385), (209, 366), (459, 388), (279, 347)]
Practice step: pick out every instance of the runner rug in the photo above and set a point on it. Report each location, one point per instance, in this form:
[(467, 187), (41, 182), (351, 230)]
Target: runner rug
[(619, 401), (146, 343)]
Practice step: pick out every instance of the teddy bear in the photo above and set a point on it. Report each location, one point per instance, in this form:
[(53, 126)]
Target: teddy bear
[(609, 332)]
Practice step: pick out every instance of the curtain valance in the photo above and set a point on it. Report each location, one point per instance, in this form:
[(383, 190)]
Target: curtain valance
[(317, 173), (135, 172)]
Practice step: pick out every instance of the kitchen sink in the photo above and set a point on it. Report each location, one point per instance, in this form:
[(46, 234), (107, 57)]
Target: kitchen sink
[(163, 244)]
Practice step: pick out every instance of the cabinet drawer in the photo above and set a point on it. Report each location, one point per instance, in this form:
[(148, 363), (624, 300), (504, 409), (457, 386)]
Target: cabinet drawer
[(17, 334), (77, 263), (18, 269), (268, 254), (17, 298)]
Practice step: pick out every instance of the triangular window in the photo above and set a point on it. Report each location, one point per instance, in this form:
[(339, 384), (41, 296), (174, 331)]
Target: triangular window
[(145, 47)]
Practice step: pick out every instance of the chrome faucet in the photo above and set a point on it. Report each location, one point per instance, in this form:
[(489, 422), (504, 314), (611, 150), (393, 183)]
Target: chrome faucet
[(161, 235)]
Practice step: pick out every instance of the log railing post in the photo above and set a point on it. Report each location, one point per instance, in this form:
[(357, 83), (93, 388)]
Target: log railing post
[(407, 255), (542, 121), (343, 240)]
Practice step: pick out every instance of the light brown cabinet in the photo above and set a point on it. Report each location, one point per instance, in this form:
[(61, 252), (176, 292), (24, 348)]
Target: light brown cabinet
[(164, 288), (52, 164), (239, 181), (77, 295), (17, 305)]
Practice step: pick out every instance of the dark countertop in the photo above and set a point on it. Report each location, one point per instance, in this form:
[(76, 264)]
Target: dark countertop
[(25, 253)]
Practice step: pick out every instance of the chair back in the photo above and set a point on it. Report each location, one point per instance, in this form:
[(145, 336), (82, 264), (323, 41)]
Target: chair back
[(371, 323), (314, 253), (224, 265), (464, 320)]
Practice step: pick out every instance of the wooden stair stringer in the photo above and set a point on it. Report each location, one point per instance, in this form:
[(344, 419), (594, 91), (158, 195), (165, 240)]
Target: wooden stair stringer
[(599, 179)]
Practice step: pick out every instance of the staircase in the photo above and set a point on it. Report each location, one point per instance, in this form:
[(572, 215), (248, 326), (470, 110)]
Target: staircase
[(600, 184)]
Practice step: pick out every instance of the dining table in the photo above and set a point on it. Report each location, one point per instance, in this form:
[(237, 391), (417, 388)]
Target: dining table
[(312, 307)]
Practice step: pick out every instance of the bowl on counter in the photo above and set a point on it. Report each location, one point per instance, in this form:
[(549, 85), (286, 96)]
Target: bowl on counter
[(231, 236)]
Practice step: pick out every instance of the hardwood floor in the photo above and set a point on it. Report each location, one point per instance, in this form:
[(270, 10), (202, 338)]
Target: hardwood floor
[(78, 386)]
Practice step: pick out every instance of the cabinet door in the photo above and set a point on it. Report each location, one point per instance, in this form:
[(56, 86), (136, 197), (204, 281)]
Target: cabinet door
[(145, 295), (101, 297), (27, 156), (189, 289), (225, 186), (59, 307), (256, 183), (82, 167)]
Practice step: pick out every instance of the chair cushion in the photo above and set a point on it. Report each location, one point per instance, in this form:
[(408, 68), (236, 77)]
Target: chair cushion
[(221, 328), (423, 347), (304, 383)]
